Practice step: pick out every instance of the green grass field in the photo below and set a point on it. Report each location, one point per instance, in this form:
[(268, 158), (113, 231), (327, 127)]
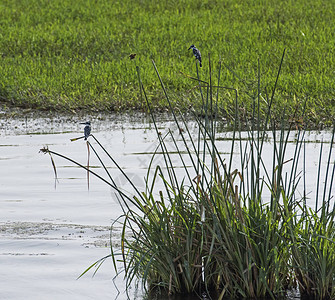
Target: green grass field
[(66, 55)]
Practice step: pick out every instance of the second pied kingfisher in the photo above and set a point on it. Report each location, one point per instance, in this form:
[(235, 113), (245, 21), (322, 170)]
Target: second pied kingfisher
[(196, 53), (87, 129)]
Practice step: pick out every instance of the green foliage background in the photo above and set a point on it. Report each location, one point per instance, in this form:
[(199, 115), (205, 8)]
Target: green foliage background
[(63, 54)]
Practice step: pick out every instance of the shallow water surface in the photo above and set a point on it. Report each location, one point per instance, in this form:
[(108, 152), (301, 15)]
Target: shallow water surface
[(52, 230)]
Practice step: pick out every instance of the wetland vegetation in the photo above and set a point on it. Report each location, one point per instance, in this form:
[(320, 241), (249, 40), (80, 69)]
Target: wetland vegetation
[(244, 231), (65, 55)]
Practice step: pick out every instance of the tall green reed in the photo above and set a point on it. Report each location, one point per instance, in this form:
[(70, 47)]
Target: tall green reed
[(312, 237), (239, 229)]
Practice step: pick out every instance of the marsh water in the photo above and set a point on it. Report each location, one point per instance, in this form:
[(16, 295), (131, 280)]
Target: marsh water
[(51, 229)]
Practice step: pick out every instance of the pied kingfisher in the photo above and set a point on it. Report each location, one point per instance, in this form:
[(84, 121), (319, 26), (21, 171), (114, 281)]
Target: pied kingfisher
[(196, 53), (87, 129)]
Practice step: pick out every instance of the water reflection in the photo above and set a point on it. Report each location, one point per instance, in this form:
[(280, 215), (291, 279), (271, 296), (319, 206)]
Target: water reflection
[(51, 233)]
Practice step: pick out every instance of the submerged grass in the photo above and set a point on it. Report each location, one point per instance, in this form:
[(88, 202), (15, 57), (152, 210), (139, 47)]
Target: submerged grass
[(242, 231), (69, 55)]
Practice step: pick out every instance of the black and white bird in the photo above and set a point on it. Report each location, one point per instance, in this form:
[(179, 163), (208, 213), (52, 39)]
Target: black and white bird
[(87, 129), (196, 53)]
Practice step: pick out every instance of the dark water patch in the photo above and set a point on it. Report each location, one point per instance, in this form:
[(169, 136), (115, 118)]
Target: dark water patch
[(26, 254)]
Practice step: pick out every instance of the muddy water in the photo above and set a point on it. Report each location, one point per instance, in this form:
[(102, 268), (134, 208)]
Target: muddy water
[(52, 230)]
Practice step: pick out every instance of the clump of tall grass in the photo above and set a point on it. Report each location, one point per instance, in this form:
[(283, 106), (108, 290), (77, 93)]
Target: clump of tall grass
[(312, 237), (235, 226)]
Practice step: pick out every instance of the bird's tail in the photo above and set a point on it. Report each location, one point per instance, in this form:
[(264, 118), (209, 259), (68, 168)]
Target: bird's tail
[(200, 65)]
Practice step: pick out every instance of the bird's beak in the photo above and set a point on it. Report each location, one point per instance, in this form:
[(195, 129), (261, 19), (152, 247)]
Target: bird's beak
[(189, 48)]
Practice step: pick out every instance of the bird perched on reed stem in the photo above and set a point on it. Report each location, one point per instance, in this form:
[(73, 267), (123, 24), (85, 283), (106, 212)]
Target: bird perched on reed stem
[(196, 53), (87, 129)]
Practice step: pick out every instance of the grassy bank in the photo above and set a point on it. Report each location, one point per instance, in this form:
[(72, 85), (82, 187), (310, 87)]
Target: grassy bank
[(67, 55)]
